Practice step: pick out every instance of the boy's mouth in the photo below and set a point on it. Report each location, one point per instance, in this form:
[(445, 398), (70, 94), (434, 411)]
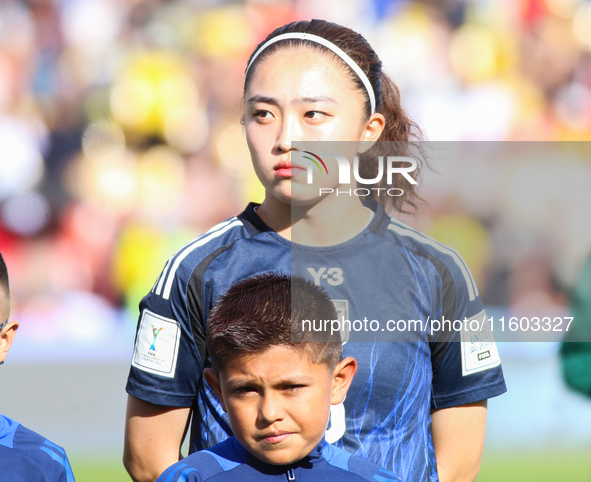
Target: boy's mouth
[(274, 437)]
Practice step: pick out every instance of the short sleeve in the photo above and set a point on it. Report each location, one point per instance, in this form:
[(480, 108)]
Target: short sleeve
[(166, 365), (466, 365)]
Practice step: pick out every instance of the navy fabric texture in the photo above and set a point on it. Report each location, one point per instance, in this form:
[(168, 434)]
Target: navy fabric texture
[(26, 456), (388, 271), (229, 461)]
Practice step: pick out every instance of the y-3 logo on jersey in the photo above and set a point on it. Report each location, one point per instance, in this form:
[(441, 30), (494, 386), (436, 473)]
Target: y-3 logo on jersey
[(333, 276)]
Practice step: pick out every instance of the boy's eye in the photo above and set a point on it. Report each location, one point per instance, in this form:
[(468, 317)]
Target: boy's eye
[(244, 390), (293, 388)]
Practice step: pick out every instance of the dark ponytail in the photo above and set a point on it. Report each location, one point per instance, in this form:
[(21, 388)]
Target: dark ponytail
[(401, 137), (399, 128)]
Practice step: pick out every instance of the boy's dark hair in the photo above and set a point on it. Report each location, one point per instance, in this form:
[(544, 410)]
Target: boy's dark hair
[(4, 285), (267, 310)]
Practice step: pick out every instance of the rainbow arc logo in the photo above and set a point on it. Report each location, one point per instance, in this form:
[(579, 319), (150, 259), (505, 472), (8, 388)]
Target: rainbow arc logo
[(316, 161)]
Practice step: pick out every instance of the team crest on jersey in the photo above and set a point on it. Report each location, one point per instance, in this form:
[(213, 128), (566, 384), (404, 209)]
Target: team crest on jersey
[(157, 345), (479, 351)]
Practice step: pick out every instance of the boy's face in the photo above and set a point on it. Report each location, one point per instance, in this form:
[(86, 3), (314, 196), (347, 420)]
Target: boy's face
[(279, 401), (9, 329), (4, 305)]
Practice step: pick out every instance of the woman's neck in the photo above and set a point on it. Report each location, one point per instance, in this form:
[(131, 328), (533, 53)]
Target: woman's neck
[(333, 220)]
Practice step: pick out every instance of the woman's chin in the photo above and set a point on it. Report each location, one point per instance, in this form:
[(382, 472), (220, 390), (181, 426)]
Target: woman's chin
[(295, 195)]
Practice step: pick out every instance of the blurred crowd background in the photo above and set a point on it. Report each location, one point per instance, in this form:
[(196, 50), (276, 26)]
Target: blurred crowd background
[(120, 141)]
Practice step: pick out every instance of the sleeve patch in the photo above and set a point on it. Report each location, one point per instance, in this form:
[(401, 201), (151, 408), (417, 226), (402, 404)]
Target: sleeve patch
[(479, 351), (157, 345)]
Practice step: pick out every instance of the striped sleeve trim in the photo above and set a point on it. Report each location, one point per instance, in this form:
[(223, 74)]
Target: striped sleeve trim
[(404, 230), (163, 285), (59, 455)]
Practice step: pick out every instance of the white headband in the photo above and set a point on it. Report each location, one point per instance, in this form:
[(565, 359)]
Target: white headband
[(329, 45)]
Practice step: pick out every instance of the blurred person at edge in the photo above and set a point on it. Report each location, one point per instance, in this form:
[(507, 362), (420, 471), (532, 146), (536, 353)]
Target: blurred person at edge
[(24, 455), (424, 416), (575, 349)]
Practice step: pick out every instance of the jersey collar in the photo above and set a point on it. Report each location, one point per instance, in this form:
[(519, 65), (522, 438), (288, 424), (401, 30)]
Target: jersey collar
[(255, 225)]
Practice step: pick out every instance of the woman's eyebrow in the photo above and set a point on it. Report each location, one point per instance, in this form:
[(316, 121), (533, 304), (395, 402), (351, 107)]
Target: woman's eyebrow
[(312, 100), (300, 100), (262, 99)]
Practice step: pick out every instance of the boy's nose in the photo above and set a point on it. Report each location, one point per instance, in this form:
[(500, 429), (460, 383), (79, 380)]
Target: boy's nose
[(270, 409)]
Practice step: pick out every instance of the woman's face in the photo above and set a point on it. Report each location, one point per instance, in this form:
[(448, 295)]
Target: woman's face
[(296, 96)]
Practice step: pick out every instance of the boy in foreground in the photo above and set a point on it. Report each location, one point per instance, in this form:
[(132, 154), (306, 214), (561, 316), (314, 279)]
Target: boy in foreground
[(277, 392), (24, 455)]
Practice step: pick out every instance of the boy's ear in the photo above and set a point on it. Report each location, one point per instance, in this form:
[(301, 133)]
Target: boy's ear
[(7, 338), (214, 382), (342, 377)]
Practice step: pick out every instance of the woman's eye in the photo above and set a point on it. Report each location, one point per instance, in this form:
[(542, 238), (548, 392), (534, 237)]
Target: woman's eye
[(314, 114), (262, 114)]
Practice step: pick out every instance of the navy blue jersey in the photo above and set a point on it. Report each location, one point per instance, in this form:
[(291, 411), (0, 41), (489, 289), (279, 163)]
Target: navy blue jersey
[(26, 456), (229, 461), (387, 272)]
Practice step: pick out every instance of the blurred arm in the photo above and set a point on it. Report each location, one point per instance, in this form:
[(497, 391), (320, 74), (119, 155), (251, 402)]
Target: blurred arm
[(458, 439), (153, 438)]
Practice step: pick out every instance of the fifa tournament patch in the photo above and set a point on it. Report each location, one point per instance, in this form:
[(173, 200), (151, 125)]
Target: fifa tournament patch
[(157, 345), (479, 350)]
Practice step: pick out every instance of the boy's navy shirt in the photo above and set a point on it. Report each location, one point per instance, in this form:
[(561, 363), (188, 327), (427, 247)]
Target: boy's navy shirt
[(26, 456), (389, 271), (230, 461)]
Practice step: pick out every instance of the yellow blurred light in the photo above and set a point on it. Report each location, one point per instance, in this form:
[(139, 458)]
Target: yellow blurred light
[(186, 129), (234, 158), (224, 32), (232, 151), (473, 53), (582, 24), (132, 101), (139, 255), (151, 87), (415, 24), (115, 181), (174, 93), (253, 189), (107, 181), (138, 258), (410, 43), (530, 99), (160, 181), (563, 8)]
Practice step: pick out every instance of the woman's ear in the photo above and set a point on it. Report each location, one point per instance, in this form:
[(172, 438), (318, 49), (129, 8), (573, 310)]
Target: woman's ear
[(372, 131), (7, 338), (342, 377), (214, 382)]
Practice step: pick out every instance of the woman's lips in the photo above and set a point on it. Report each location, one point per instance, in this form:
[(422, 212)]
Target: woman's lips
[(287, 169)]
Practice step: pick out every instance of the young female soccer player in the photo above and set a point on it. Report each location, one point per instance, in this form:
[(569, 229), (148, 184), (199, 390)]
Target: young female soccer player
[(416, 407)]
